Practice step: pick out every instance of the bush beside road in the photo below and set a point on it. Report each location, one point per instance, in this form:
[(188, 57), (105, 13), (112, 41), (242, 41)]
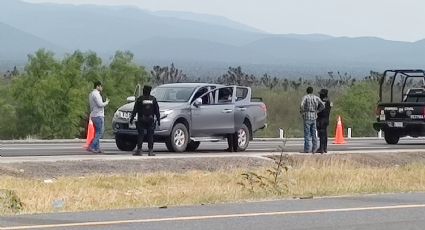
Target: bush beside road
[(56, 105)]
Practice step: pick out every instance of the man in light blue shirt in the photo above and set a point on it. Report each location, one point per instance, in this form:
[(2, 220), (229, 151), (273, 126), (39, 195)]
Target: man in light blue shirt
[(97, 115)]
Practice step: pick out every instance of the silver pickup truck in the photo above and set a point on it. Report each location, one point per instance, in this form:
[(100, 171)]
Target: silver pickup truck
[(196, 112)]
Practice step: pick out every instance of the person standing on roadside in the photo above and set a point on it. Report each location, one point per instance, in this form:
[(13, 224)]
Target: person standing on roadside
[(146, 107), (310, 106), (323, 121), (97, 115)]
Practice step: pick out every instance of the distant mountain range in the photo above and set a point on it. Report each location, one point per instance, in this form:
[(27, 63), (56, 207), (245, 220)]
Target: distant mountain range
[(16, 44), (167, 36)]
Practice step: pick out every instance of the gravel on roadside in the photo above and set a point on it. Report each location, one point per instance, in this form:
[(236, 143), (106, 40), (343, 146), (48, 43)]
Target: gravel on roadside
[(180, 165)]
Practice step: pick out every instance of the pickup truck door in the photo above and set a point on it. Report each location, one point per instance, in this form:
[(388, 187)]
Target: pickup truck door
[(137, 91), (216, 117), (241, 105)]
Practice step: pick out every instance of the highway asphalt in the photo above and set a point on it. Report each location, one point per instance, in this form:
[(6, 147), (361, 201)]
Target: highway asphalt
[(386, 212), (52, 148)]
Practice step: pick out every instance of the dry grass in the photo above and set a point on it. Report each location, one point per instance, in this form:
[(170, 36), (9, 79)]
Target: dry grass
[(198, 187), (336, 177)]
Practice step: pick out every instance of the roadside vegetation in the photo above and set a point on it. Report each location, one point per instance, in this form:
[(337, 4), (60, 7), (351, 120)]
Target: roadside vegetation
[(48, 99), (298, 177)]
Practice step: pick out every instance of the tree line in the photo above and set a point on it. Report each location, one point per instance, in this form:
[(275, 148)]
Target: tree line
[(49, 97)]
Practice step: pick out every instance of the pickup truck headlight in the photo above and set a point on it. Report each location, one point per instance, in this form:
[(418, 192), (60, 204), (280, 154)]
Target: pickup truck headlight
[(117, 114), (122, 115), (165, 113)]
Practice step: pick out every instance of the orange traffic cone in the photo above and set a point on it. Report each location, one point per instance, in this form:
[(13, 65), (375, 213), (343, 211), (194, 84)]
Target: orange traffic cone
[(339, 134), (90, 134)]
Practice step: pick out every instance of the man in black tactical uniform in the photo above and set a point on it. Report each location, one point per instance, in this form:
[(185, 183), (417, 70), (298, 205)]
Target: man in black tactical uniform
[(323, 121), (146, 107)]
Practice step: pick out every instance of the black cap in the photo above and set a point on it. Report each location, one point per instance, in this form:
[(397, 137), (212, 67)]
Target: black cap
[(147, 89), (323, 92)]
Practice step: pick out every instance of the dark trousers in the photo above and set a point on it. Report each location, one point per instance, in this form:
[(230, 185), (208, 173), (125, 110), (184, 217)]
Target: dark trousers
[(232, 142), (141, 129), (322, 131)]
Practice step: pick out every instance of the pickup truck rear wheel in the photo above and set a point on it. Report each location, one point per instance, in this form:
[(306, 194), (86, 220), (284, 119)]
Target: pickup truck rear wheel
[(125, 144), (242, 138), (179, 138), (391, 138)]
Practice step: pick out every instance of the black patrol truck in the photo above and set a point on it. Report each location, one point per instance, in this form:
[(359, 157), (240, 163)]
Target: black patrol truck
[(401, 108)]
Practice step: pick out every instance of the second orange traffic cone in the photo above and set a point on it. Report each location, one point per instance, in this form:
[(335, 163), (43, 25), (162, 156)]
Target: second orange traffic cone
[(339, 134), (90, 134)]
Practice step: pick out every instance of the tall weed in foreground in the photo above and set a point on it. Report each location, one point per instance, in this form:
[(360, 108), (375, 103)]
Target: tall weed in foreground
[(273, 180)]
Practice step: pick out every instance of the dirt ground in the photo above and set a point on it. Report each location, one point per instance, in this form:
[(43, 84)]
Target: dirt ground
[(89, 167)]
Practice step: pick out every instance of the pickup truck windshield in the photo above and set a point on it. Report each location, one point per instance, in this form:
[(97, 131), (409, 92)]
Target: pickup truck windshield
[(415, 95), (173, 94)]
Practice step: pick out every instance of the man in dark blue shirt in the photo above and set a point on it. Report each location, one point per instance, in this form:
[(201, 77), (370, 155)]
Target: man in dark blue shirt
[(323, 121), (146, 107)]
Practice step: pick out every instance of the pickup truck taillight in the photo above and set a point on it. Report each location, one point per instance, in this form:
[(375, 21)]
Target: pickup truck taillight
[(264, 107), (378, 111)]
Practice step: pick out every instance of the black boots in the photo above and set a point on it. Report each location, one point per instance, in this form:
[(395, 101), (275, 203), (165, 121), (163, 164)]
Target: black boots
[(151, 153), (139, 153)]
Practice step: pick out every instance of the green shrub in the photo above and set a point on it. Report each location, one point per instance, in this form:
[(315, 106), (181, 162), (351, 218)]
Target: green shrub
[(9, 202)]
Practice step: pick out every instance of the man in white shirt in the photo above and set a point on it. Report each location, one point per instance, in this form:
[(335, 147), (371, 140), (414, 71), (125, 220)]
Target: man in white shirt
[(97, 115)]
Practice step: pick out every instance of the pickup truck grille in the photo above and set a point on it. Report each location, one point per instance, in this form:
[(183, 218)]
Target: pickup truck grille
[(121, 126)]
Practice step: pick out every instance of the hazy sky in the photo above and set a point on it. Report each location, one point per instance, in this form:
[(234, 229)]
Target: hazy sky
[(389, 19)]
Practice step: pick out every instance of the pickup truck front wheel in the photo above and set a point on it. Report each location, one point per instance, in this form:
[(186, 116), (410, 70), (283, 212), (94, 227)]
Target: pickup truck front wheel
[(179, 138), (391, 138), (125, 144), (242, 138)]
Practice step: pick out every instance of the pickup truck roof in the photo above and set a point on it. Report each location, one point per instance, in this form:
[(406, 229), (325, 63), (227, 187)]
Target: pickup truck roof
[(188, 85), (201, 84)]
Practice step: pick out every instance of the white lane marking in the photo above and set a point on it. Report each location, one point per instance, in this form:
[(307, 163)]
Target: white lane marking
[(82, 149), (262, 150), (47, 144), (208, 217), (109, 143), (44, 148), (262, 144), (371, 147)]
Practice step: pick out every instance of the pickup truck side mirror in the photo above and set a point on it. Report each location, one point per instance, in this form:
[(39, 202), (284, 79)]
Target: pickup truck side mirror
[(197, 102), (131, 99)]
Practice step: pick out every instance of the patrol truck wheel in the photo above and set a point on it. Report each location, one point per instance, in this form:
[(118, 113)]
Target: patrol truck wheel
[(242, 138), (124, 144), (391, 138), (179, 138), (193, 146)]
